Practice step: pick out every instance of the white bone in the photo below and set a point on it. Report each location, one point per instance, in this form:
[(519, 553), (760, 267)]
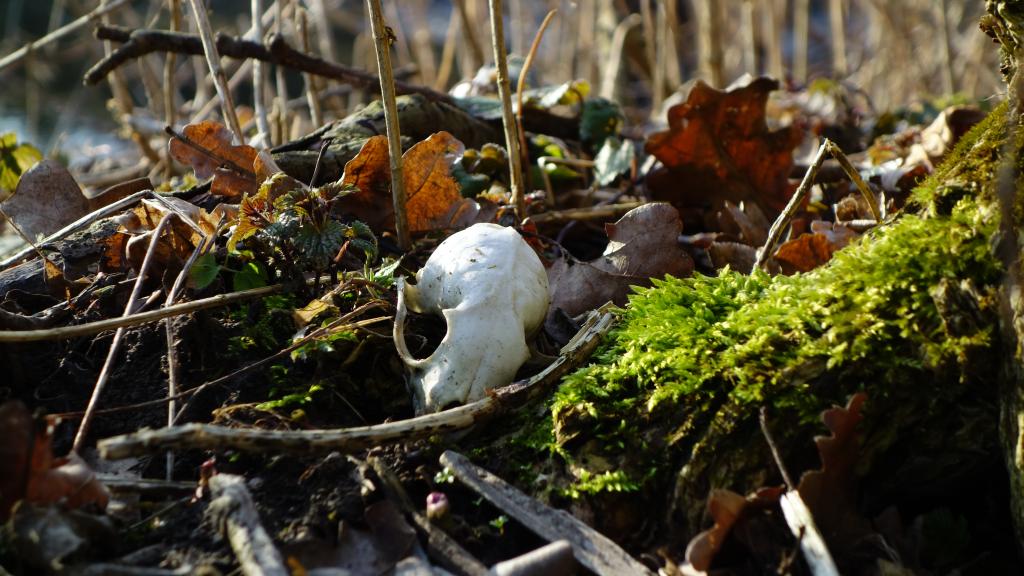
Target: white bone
[(492, 290)]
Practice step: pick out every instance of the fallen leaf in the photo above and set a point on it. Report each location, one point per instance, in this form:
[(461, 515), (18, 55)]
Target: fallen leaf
[(809, 251), (433, 198), (737, 256), (370, 173), (31, 471), (210, 153), (746, 221), (47, 199), (432, 195), (718, 147), (831, 492), (727, 509), (614, 158), (644, 243)]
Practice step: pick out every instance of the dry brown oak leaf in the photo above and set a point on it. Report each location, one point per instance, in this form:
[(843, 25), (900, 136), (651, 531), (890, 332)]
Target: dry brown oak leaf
[(433, 197), (718, 147), (209, 152)]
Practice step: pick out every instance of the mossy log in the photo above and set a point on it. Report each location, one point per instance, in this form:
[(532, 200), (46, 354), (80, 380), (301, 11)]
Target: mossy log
[(914, 314), (908, 315)]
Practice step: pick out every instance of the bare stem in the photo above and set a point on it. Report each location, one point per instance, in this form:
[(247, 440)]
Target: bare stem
[(382, 43), (801, 24), (838, 25), (854, 175), (259, 81), (61, 32), (220, 80), (515, 161), (475, 50), (521, 84), (115, 345), (312, 97), (779, 226)]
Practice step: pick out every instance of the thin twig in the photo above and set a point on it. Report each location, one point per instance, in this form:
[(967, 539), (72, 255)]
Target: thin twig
[(311, 93), (335, 326), (382, 44), (854, 175), (61, 32), (115, 345), (259, 80), (609, 79), (597, 212), (776, 453), (77, 225), (469, 28), (515, 164), (220, 80), (170, 65), (521, 87), (775, 232)]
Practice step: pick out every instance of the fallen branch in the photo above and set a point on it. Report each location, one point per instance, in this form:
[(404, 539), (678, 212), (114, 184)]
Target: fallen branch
[(91, 328), (210, 437), (591, 548), (235, 516), (138, 43)]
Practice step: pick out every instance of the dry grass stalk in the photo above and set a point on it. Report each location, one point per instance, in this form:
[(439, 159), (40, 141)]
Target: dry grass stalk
[(444, 72), (507, 118), (382, 43), (838, 25), (259, 81), (476, 51), (801, 32), (220, 80), (312, 95)]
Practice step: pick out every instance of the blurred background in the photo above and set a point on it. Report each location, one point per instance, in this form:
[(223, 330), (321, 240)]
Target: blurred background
[(892, 54)]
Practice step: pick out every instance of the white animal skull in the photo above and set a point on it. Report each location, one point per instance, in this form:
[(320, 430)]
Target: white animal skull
[(493, 292)]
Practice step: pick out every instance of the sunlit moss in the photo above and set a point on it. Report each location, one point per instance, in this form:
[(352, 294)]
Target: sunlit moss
[(705, 352)]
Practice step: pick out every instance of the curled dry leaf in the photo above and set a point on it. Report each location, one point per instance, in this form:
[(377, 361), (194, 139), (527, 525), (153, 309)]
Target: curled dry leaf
[(433, 199), (209, 152), (727, 509), (644, 243), (718, 147), (31, 471)]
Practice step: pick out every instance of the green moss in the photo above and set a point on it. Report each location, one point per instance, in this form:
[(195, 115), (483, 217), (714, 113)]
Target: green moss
[(694, 358)]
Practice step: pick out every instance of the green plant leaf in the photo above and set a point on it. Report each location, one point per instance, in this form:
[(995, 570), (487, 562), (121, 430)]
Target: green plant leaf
[(320, 246), (204, 271), (614, 158), (600, 119), (252, 275), (15, 159)]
